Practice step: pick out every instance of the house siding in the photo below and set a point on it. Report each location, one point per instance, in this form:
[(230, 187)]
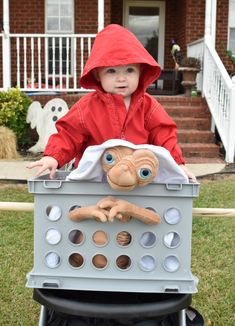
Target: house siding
[(26, 16), (86, 13)]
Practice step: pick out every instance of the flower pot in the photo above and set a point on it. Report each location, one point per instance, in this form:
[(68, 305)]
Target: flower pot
[(189, 75)]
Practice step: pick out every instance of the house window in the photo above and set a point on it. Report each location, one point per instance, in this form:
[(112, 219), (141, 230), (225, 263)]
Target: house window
[(59, 20), (231, 29)]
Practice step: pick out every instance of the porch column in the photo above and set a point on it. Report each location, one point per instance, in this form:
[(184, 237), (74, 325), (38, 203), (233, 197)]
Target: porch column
[(6, 47), (100, 15), (210, 20)]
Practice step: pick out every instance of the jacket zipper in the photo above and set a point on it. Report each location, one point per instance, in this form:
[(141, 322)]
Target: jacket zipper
[(123, 135)]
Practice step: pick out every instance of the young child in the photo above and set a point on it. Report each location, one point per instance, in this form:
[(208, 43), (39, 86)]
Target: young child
[(119, 69)]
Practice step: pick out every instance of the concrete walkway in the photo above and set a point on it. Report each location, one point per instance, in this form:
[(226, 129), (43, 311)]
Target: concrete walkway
[(15, 170)]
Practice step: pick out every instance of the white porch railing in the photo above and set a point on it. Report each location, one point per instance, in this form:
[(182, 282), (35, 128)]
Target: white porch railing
[(42, 62), (219, 91)]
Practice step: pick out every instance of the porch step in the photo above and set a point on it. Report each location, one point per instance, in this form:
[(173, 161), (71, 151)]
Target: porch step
[(193, 121), (195, 136), (184, 111), (200, 150)]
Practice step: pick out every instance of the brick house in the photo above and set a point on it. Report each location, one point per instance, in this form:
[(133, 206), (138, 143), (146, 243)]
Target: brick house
[(45, 44)]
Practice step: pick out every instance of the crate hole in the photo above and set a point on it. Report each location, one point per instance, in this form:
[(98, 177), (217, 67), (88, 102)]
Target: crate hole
[(76, 260), (100, 238), (148, 239), (76, 236), (123, 238), (147, 263), (123, 262), (74, 207), (99, 261), (53, 212), (151, 209), (52, 259), (171, 263), (53, 236), (171, 239), (172, 215)]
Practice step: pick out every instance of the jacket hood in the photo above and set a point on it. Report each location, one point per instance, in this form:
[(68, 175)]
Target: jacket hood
[(115, 46)]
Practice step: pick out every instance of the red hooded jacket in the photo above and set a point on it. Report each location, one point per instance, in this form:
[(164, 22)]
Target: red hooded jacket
[(99, 116)]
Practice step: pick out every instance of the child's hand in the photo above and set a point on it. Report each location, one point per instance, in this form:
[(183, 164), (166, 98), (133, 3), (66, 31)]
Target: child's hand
[(189, 174), (46, 162)]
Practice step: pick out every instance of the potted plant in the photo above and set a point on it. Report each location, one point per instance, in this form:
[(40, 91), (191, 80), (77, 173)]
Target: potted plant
[(189, 67)]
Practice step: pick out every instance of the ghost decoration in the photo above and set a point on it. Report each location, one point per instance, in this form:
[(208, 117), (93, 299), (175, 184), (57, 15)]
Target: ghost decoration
[(44, 119)]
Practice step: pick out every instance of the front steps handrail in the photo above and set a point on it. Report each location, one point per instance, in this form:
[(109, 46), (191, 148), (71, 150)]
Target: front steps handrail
[(219, 91)]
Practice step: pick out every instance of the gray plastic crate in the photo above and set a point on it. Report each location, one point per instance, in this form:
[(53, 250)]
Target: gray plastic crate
[(158, 256)]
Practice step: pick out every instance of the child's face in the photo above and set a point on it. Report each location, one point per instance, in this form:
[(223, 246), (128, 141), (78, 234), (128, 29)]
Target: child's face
[(122, 80)]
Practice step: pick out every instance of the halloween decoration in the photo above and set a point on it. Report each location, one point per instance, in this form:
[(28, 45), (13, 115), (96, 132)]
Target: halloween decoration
[(127, 168), (44, 119), (91, 166), (109, 208)]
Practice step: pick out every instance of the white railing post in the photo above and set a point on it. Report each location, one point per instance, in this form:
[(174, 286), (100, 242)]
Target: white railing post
[(210, 19), (39, 64), (230, 153), (100, 15), (6, 47), (209, 32), (74, 47)]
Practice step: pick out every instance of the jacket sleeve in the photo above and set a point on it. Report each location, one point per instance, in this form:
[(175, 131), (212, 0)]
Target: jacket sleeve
[(68, 142), (163, 131)]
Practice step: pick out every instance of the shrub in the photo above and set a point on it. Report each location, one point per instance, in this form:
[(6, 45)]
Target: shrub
[(13, 111), (191, 62), (231, 56)]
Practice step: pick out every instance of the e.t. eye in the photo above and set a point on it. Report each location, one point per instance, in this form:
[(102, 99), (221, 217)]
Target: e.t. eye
[(108, 158), (144, 173)]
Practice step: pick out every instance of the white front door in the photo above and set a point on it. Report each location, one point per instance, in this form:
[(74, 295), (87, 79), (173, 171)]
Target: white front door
[(146, 19)]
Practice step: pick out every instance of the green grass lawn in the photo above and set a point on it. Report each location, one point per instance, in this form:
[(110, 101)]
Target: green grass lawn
[(212, 257)]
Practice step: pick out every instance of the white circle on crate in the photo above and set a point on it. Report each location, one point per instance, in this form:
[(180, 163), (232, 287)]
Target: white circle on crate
[(53, 236), (147, 239), (147, 263), (54, 212), (172, 215), (171, 239), (52, 259), (171, 263)]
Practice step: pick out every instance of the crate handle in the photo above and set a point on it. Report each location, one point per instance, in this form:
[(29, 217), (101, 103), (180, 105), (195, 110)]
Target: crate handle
[(174, 186), (52, 184), (171, 289), (51, 284)]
